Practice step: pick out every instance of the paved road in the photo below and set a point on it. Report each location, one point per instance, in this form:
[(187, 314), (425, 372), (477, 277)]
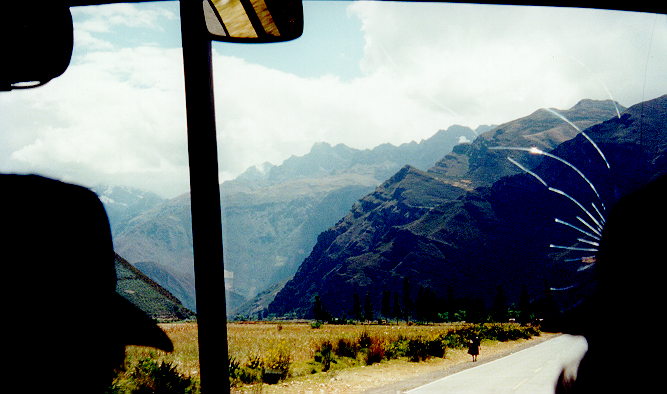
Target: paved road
[(530, 371)]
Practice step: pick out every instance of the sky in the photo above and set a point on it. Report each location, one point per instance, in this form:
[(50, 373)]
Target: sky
[(363, 74)]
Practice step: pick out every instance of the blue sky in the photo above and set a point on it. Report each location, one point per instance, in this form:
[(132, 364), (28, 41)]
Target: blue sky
[(364, 73), (332, 39)]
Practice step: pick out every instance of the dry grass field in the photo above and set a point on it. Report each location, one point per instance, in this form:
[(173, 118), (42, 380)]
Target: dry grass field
[(185, 355), (300, 342), (250, 340), (247, 340)]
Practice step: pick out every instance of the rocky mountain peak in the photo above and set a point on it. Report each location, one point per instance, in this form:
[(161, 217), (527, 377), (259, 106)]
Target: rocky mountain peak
[(475, 223)]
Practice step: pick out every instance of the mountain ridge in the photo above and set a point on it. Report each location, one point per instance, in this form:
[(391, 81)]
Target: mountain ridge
[(456, 237), (270, 225)]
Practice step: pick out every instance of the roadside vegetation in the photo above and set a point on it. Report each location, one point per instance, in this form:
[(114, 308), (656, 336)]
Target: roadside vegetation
[(271, 352), (148, 370)]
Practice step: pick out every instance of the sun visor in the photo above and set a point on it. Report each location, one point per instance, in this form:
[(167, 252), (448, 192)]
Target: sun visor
[(36, 40)]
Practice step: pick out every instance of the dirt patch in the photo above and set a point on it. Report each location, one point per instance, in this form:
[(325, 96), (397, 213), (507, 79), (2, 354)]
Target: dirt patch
[(393, 376)]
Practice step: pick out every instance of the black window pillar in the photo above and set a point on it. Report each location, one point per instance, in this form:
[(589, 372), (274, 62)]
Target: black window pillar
[(205, 200)]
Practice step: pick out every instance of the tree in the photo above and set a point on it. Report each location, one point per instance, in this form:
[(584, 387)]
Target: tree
[(368, 308), (547, 309), (356, 307), (525, 309), (499, 310), (426, 305), (318, 310), (386, 305), (407, 300), (397, 311), (475, 309)]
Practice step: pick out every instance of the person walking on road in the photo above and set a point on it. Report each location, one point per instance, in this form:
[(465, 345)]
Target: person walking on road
[(473, 348)]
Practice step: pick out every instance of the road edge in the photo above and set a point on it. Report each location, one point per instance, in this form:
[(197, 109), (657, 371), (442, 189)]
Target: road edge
[(414, 382)]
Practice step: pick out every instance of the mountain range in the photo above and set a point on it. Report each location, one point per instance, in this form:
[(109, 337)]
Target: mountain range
[(123, 203), (476, 224), (450, 214), (271, 217)]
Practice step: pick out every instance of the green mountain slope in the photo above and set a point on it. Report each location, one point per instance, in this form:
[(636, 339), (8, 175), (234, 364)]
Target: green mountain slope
[(147, 295)]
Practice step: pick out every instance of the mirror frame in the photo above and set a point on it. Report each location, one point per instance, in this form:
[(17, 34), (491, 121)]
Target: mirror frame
[(291, 9)]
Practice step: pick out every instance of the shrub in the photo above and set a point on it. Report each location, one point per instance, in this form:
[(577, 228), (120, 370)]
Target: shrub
[(149, 376), (255, 362), (251, 372), (365, 340), (533, 331), (436, 348), (457, 338), (373, 348), (346, 348), (397, 348), (272, 370), (416, 350), (508, 332), (375, 352), (234, 370), (277, 367), (324, 355), (420, 349)]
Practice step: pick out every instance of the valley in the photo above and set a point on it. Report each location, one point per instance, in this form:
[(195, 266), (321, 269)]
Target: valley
[(469, 228)]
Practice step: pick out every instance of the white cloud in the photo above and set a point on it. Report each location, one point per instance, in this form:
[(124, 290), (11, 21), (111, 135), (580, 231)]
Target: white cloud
[(118, 116), (427, 66), (267, 115), (489, 64), (104, 19), (115, 117), (98, 27)]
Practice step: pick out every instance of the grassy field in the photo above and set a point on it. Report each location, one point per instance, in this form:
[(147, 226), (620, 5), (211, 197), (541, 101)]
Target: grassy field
[(296, 345), (185, 356), (250, 340)]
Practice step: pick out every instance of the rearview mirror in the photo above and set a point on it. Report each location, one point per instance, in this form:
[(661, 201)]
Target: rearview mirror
[(253, 21), (36, 42)]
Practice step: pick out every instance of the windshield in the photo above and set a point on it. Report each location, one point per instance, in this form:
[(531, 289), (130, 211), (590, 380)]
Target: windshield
[(359, 160)]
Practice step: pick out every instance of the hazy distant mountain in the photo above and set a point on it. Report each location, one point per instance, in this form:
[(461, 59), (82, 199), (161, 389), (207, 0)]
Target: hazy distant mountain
[(162, 234), (181, 285), (272, 215), (475, 223), (123, 203), (379, 162)]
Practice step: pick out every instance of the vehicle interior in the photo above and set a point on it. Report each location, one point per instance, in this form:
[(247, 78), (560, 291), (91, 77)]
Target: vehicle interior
[(38, 41)]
